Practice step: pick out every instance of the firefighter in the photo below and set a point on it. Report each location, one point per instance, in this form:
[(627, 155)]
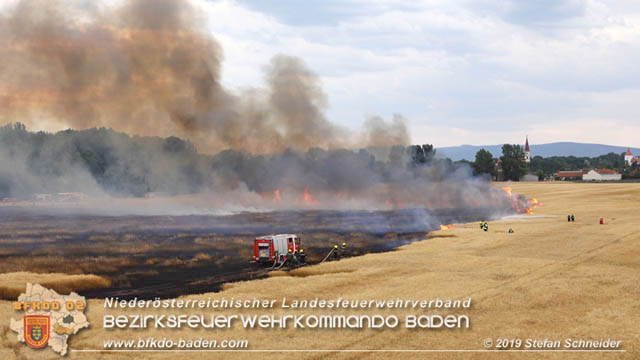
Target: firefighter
[(485, 226), (303, 256), (336, 255), (290, 258), (569, 218), (344, 246), (481, 225), (573, 218), (510, 231)]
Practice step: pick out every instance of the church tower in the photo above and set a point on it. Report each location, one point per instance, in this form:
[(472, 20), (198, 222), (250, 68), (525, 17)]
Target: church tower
[(628, 157), (527, 151)]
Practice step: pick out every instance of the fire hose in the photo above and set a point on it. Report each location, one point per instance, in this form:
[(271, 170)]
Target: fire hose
[(281, 265), (326, 257), (273, 267)]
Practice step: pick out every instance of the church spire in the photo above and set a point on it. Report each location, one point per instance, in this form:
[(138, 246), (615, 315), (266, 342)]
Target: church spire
[(527, 151)]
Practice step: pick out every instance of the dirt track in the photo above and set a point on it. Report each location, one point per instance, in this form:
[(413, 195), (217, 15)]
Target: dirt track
[(549, 279)]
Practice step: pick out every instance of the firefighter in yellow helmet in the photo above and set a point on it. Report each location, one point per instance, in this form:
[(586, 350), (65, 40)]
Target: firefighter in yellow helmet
[(336, 255), (344, 245), (303, 256), (290, 258)]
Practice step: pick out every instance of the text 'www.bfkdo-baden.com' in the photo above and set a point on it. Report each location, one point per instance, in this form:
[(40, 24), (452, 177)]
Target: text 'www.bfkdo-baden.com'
[(152, 343)]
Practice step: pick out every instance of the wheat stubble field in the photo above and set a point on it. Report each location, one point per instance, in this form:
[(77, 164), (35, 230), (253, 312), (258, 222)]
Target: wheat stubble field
[(550, 279)]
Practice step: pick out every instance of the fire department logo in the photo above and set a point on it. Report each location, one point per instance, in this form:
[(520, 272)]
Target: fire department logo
[(36, 330), (48, 319)]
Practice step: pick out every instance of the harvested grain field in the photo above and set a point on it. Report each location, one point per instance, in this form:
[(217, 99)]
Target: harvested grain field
[(549, 279)]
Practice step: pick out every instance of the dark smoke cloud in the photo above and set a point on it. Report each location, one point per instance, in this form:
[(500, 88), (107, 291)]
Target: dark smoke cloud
[(150, 67)]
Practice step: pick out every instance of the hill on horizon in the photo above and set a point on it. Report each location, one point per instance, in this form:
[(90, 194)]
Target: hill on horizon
[(468, 152)]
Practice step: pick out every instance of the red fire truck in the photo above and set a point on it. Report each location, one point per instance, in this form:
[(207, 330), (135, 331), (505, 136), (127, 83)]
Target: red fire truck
[(275, 250)]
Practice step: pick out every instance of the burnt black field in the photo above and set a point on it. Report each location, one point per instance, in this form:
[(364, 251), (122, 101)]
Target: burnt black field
[(168, 256)]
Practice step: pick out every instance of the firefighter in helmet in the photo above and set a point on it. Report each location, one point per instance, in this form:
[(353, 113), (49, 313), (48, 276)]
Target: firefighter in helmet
[(336, 255), (303, 256), (344, 246), (291, 259)]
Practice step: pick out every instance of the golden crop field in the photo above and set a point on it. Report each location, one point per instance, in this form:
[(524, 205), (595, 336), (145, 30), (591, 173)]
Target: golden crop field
[(549, 279)]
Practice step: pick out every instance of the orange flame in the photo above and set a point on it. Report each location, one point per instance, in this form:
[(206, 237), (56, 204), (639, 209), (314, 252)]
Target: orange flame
[(520, 204), (308, 198), (446, 227), (276, 195)]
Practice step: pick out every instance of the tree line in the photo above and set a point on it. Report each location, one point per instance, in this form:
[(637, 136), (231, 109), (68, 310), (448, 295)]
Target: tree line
[(513, 167), (101, 160)]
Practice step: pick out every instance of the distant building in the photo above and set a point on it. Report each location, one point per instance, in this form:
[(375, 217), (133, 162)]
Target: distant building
[(570, 175), (601, 175), (527, 151), (42, 197), (70, 197), (629, 159)]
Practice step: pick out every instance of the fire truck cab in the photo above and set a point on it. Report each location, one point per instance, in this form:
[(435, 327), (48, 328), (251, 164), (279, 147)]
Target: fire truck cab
[(276, 249)]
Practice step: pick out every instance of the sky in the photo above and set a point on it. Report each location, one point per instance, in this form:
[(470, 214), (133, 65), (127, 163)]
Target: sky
[(462, 72)]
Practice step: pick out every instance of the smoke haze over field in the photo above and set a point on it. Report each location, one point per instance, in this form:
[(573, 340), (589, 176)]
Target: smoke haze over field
[(179, 180), (149, 67)]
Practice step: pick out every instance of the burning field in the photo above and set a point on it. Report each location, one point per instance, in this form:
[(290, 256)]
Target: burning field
[(548, 279), (164, 176), (168, 256)]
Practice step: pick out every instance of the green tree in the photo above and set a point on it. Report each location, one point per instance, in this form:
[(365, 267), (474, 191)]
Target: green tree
[(513, 166), (484, 164), (421, 154)]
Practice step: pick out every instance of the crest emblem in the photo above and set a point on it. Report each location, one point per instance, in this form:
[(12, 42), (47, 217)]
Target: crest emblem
[(36, 330)]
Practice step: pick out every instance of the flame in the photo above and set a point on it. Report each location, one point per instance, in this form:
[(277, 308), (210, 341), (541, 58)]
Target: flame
[(520, 204), (308, 198), (446, 227)]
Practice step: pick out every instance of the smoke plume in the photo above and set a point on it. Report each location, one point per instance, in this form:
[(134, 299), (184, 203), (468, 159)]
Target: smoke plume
[(150, 67)]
